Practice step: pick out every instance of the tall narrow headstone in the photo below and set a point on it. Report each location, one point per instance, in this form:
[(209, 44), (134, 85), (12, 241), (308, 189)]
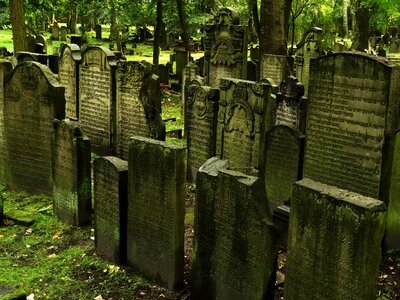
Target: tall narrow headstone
[(68, 75), (245, 113), (200, 126), (235, 243), (40, 39), (225, 44), (63, 33), (334, 246), (190, 72), (98, 30), (97, 97), (72, 193), (33, 99), (138, 105), (55, 32), (156, 210), (110, 207), (275, 67)]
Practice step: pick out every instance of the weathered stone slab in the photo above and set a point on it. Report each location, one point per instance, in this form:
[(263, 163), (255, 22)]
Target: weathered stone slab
[(282, 166), (97, 96), (55, 32), (274, 67), (200, 126), (235, 243), (63, 33), (225, 45), (72, 194), (98, 30), (156, 210), (138, 105), (334, 243), (245, 114), (68, 75), (110, 207), (33, 99)]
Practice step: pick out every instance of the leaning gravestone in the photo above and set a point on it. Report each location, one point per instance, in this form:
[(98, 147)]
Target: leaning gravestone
[(110, 207), (235, 243), (352, 118), (33, 99), (156, 210), (201, 114), (138, 105), (68, 75), (97, 96), (72, 198), (334, 246), (245, 114), (225, 44)]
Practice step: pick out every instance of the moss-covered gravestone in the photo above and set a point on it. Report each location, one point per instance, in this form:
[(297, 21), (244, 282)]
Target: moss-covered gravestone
[(33, 99), (235, 243), (156, 209), (334, 246), (110, 207), (71, 173)]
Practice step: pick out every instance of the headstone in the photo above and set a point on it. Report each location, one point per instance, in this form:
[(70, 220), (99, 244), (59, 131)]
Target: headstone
[(309, 47), (225, 44), (30, 56), (52, 61), (110, 207), (138, 105), (282, 166), (156, 210), (40, 39), (276, 67), (163, 73), (77, 39), (200, 63), (72, 194), (190, 71), (97, 97), (245, 114), (31, 40), (55, 32), (98, 32), (181, 59), (63, 33), (334, 246), (68, 75), (201, 114), (235, 243), (33, 99)]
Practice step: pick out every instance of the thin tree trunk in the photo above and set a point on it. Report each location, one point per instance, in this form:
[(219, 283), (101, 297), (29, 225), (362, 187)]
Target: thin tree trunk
[(114, 26), (182, 19), (361, 26), (18, 25), (157, 35), (256, 20), (345, 18)]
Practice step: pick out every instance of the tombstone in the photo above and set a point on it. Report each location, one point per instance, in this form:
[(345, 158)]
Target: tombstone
[(68, 65), (138, 105), (40, 39), (98, 30), (309, 47), (334, 247), (156, 210), (52, 61), (33, 99), (276, 67), (200, 63), (31, 40), (245, 114), (235, 243), (201, 112), (77, 39), (97, 96), (289, 104), (181, 59), (163, 73), (55, 32), (110, 207), (252, 70), (30, 56), (225, 44), (5, 69), (190, 71), (63, 33), (72, 194), (352, 118)]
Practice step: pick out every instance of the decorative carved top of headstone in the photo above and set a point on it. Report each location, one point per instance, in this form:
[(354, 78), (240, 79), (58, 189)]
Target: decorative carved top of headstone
[(312, 35)]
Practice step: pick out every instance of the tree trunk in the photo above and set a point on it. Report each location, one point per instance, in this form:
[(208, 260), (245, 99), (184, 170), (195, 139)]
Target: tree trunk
[(114, 32), (345, 18), (182, 19), (157, 35), (72, 21), (361, 26), (256, 20), (18, 25)]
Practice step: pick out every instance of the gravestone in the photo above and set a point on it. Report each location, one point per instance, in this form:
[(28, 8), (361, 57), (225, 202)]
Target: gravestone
[(225, 44), (5, 69), (235, 243), (33, 99), (163, 73), (98, 30), (110, 207), (97, 96), (334, 246), (40, 39), (77, 39), (63, 33), (52, 61), (275, 67), (156, 210), (282, 163), (55, 32), (68, 75), (290, 109), (190, 71), (252, 70), (309, 47), (31, 40), (201, 114), (245, 114), (138, 105), (72, 196), (30, 56), (181, 59)]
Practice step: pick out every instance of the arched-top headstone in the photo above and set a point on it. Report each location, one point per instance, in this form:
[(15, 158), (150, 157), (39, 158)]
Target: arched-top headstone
[(33, 99)]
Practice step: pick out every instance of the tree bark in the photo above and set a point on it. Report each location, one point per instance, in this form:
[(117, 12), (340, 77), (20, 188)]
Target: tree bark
[(361, 26), (345, 18), (114, 32), (256, 20), (182, 19), (72, 21), (18, 25), (157, 35)]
